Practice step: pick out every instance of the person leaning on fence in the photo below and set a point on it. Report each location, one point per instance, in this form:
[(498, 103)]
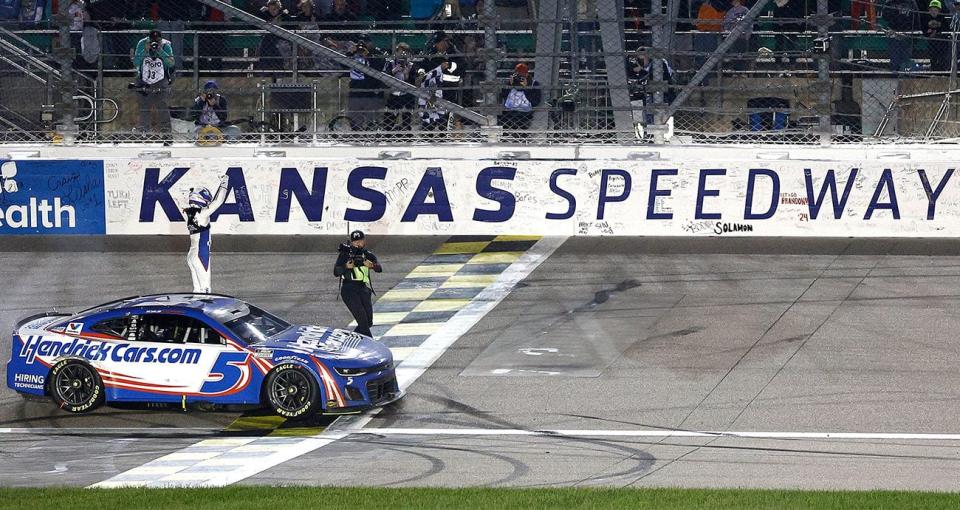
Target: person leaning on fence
[(433, 116), (210, 111), (400, 105), (441, 53), (153, 60), (520, 96), (640, 72), (935, 26)]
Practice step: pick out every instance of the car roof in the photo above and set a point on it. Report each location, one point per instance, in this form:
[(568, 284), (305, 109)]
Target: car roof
[(218, 305)]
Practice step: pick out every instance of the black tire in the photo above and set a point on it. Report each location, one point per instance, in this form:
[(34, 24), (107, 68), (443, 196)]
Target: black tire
[(292, 391), (75, 386)]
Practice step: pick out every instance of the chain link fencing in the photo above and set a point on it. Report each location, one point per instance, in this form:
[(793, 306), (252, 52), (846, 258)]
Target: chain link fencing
[(536, 72)]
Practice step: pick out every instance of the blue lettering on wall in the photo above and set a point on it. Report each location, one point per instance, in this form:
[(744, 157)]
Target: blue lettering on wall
[(655, 192), (356, 189), (485, 188), (604, 182), (562, 193), (886, 181), (703, 192), (157, 191), (311, 201), (431, 183), (933, 195), (748, 213), (241, 206), (829, 182)]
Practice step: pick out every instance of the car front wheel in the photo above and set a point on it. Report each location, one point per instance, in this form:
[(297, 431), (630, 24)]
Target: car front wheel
[(75, 386), (292, 392)]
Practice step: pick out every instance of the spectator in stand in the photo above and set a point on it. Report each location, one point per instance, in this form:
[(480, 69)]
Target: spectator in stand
[(433, 117), (272, 48), (340, 13), (441, 49), (154, 63), (732, 18), (521, 95), (640, 72), (337, 20), (366, 97), (400, 105), (113, 15), (901, 17), (77, 10), (709, 24), (308, 18), (935, 26), (307, 15), (210, 110), (859, 8), (443, 57)]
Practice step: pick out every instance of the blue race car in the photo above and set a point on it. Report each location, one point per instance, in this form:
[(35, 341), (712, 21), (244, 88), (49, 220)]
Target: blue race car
[(189, 348)]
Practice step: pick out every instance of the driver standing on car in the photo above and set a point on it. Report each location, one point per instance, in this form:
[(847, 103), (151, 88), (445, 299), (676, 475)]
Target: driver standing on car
[(353, 266), (201, 206)]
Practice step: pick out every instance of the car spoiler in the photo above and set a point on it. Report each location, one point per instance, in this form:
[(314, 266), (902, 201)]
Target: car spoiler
[(36, 316)]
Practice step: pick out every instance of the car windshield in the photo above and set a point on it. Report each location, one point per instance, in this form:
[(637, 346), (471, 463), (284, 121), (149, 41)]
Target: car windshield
[(256, 326)]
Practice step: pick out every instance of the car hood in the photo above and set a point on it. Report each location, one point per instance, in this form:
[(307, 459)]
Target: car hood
[(329, 343)]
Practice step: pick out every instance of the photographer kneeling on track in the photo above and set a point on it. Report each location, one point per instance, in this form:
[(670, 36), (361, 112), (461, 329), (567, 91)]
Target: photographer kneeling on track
[(353, 267), (209, 113), (154, 63)]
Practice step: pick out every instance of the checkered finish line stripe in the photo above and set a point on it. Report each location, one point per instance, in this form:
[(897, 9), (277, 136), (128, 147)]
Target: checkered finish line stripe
[(404, 318), (456, 272)]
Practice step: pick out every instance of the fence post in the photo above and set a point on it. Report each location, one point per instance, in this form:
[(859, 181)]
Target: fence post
[(196, 60), (65, 54), (658, 84), (491, 89), (823, 22), (610, 15)]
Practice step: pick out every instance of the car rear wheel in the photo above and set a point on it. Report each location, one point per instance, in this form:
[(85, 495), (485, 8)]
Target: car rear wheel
[(292, 392), (75, 386)]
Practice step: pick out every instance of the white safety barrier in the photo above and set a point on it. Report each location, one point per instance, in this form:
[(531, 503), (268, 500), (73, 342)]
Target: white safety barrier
[(423, 197), (669, 191)]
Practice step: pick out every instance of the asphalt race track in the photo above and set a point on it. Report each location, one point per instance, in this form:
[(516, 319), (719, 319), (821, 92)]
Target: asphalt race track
[(643, 336)]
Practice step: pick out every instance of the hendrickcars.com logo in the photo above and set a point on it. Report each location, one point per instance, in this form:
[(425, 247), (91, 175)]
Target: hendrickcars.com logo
[(103, 351)]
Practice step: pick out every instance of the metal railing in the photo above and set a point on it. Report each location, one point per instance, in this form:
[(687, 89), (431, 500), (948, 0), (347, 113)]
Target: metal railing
[(822, 85)]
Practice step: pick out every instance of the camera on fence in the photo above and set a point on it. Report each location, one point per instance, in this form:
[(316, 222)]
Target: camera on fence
[(821, 45)]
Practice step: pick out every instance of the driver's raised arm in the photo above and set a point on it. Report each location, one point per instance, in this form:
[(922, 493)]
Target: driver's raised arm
[(218, 199)]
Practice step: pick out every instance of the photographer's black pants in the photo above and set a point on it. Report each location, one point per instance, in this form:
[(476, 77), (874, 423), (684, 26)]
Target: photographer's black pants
[(357, 297)]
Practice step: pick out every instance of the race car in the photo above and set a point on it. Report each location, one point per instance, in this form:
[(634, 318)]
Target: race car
[(197, 348)]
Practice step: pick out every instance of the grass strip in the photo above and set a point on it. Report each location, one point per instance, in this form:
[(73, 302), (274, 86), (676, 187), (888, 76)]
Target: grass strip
[(293, 497)]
